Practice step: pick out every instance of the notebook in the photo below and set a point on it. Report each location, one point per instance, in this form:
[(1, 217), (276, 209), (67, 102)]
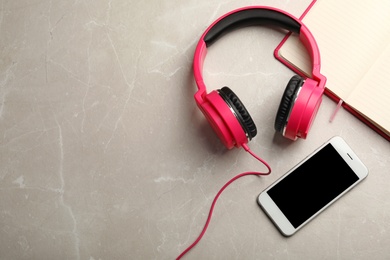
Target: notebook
[(354, 41)]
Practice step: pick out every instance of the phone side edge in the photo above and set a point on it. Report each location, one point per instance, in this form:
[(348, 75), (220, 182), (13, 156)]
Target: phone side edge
[(275, 214)]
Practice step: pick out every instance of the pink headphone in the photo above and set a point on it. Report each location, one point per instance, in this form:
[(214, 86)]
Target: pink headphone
[(224, 110)]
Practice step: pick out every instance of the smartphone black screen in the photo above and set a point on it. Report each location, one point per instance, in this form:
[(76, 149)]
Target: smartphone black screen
[(312, 185)]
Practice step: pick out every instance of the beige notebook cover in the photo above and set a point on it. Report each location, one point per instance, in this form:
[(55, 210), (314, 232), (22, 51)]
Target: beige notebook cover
[(354, 41)]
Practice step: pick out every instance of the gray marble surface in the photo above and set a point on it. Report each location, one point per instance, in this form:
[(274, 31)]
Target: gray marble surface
[(104, 154)]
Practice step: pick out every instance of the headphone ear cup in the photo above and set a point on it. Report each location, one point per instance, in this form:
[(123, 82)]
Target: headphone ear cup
[(240, 111), (286, 103), (221, 110)]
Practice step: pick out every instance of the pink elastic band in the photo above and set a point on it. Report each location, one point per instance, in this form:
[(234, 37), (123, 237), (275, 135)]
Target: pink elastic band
[(336, 110)]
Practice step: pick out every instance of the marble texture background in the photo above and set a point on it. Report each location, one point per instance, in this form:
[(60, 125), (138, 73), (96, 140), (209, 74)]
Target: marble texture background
[(104, 154)]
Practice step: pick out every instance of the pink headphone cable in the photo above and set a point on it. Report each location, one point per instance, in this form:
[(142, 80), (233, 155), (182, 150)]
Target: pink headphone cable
[(246, 148)]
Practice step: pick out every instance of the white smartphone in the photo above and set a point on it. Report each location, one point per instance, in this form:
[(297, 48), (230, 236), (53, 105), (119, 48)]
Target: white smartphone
[(312, 185)]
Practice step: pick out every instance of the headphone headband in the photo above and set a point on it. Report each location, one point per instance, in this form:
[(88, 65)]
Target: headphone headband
[(254, 15), (248, 17)]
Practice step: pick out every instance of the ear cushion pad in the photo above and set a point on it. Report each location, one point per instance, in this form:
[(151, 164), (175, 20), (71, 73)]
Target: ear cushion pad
[(286, 103), (243, 116)]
